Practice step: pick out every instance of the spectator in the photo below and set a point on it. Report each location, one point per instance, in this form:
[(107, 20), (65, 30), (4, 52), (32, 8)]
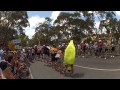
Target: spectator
[(7, 70), (100, 47), (1, 74)]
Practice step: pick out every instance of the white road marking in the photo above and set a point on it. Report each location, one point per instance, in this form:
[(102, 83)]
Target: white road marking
[(97, 68), (31, 74)]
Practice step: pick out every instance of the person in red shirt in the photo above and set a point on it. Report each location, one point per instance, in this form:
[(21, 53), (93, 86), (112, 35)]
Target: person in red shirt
[(100, 46), (83, 48)]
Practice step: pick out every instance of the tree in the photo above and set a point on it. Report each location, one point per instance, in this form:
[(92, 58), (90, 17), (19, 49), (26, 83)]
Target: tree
[(43, 31), (24, 40), (75, 25), (105, 18), (12, 23)]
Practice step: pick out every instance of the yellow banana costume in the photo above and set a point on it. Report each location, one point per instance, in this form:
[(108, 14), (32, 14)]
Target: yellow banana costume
[(69, 56)]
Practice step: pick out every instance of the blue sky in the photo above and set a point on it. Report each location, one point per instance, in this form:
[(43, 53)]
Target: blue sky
[(39, 16), (40, 13), (36, 17)]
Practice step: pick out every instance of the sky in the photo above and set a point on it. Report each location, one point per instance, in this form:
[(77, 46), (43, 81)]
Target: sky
[(35, 17)]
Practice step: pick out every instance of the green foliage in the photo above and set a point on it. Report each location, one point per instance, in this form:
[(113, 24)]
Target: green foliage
[(76, 26), (12, 23)]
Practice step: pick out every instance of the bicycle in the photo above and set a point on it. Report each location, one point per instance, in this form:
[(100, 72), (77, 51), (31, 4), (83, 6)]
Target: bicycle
[(68, 69)]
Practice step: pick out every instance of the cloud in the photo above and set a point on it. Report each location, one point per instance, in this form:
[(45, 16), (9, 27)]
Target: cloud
[(97, 24), (34, 20), (90, 12), (118, 13), (29, 32), (54, 15)]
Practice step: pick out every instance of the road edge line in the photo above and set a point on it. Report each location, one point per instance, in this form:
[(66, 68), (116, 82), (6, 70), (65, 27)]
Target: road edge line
[(31, 76), (97, 68)]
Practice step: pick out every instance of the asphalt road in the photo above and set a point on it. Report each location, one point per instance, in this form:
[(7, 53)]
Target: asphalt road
[(84, 68)]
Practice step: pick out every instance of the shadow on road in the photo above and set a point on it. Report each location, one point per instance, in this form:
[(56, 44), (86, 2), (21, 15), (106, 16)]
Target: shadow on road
[(48, 65), (77, 75)]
